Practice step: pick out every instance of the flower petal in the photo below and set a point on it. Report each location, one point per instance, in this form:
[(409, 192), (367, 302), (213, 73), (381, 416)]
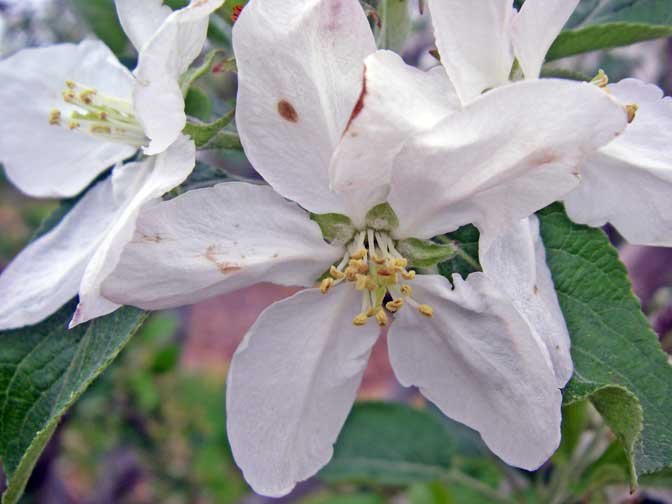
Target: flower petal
[(137, 184), (473, 38), (516, 263), (300, 75), (47, 273), (535, 28), (509, 153), (291, 385), (478, 361), (141, 20), (217, 240), (51, 161), (629, 182), (158, 100), (397, 100)]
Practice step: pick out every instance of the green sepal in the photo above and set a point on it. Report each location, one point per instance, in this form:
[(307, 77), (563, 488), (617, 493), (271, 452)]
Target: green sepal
[(382, 218), (425, 253), (197, 104), (202, 134), (336, 228), (193, 74)]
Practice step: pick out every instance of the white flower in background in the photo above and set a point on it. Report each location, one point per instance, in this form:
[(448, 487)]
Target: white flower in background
[(629, 182), (72, 111), (491, 351)]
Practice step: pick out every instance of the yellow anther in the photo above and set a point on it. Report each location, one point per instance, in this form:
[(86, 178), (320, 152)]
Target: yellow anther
[(103, 116), (55, 117), (350, 274), (362, 282), (406, 290), (334, 272), (377, 259), (74, 125), (69, 96), (360, 254), (372, 311), (71, 84), (101, 130), (601, 79), (426, 310), (395, 306), (400, 263), (632, 111), (326, 284), (86, 95), (360, 319), (381, 318), (408, 275)]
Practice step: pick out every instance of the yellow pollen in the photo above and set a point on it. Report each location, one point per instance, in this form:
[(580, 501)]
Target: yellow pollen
[(426, 310), (360, 320), (326, 284), (360, 254), (362, 282), (381, 318), (334, 272), (103, 116), (395, 306), (71, 84), (408, 275), (377, 259), (86, 95), (601, 79), (406, 290), (350, 274), (632, 111), (74, 125), (69, 96), (55, 117), (400, 263), (102, 130)]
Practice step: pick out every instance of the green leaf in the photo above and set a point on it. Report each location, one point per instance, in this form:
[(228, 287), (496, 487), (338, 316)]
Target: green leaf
[(618, 360), (391, 444), (43, 370), (612, 23), (425, 253), (101, 16), (336, 228)]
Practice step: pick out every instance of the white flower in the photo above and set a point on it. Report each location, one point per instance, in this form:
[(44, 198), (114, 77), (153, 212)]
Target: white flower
[(485, 360), (629, 182), (71, 112)]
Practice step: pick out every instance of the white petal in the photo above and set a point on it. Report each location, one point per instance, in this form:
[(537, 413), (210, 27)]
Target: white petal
[(300, 76), (51, 161), (217, 240), (473, 38), (47, 273), (397, 100), (516, 263), (157, 98), (509, 153), (141, 19), (291, 385), (137, 184), (478, 361), (535, 28), (629, 182)]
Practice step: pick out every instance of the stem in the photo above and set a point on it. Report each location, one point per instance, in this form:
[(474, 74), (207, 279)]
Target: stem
[(459, 251), (456, 476)]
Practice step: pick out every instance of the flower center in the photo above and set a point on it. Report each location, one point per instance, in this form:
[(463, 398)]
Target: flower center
[(376, 268), (99, 115)]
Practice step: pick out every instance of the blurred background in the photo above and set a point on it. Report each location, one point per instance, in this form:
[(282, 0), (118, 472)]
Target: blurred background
[(152, 428)]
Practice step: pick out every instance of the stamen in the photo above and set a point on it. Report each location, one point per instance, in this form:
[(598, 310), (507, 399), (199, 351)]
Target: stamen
[(336, 273), (395, 305), (55, 117), (406, 290), (426, 310), (360, 320), (381, 318), (326, 284), (632, 111)]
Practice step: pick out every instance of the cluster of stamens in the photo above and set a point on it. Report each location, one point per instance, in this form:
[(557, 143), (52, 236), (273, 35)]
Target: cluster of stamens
[(99, 115), (377, 269)]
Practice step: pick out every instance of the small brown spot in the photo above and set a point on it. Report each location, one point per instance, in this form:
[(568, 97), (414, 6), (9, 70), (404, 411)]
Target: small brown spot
[(287, 111), (359, 106), (536, 289), (155, 238), (224, 267)]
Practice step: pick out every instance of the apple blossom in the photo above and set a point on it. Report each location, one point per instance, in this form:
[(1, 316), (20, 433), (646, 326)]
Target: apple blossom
[(73, 111), (491, 354), (630, 179)]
